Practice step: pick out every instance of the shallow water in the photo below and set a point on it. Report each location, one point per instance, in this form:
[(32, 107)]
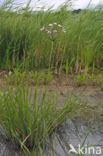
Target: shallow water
[(6, 149), (71, 132), (74, 132)]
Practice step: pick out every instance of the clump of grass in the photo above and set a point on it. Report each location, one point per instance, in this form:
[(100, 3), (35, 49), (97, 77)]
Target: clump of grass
[(29, 116)]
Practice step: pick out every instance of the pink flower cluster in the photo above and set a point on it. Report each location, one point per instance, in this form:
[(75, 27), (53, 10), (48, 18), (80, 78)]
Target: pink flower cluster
[(53, 28)]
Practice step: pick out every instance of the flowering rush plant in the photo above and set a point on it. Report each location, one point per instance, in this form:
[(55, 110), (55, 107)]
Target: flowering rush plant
[(54, 28)]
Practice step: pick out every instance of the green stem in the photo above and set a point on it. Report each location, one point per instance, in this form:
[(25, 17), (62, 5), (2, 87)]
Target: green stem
[(51, 55)]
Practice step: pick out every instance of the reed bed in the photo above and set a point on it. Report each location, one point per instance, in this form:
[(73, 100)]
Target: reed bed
[(24, 45)]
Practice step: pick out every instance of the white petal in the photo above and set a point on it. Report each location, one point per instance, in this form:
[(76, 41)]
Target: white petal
[(59, 25), (50, 25), (54, 23)]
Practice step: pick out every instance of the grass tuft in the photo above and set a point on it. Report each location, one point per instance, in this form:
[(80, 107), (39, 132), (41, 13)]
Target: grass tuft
[(29, 117)]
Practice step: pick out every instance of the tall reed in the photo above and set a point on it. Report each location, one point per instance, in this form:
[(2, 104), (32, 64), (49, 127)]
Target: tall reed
[(23, 45)]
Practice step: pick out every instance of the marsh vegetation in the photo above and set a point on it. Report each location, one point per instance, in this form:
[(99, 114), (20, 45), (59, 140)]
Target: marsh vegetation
[(37, 47)]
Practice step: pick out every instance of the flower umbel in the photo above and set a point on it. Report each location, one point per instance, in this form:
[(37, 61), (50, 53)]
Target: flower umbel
[(53, 30)]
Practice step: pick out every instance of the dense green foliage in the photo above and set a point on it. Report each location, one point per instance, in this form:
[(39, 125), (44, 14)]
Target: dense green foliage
[(23, 45)]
